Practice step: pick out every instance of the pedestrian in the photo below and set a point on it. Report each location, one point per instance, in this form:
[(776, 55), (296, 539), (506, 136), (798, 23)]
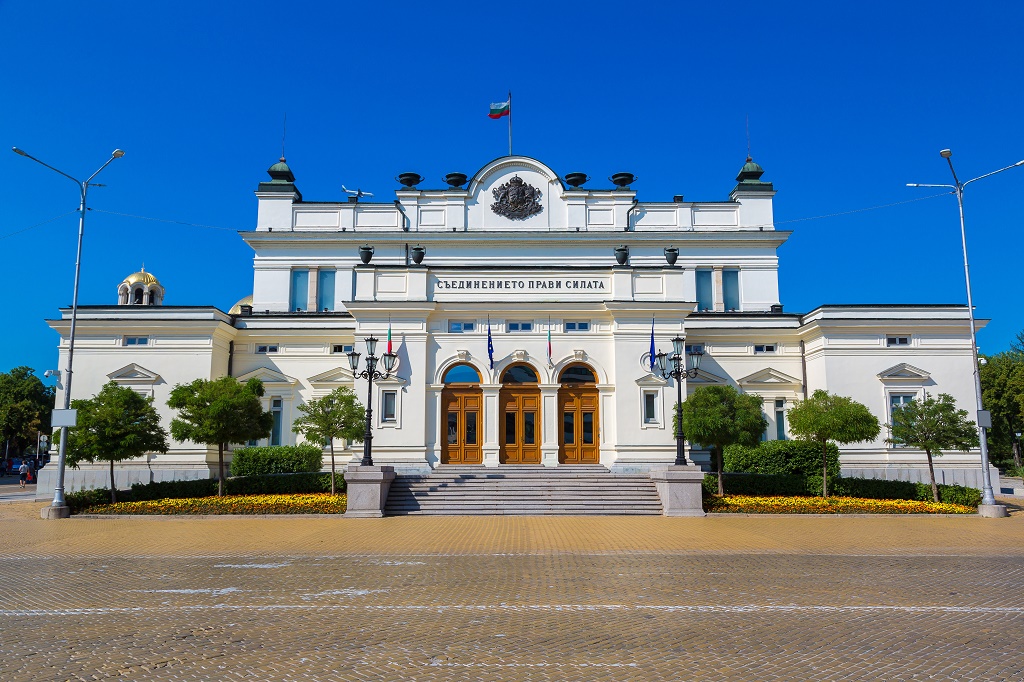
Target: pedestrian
[(22, 473)]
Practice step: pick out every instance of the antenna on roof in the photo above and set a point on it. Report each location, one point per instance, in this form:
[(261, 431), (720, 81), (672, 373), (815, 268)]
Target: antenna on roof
[(748, 138), (284, 132), (356, 194)]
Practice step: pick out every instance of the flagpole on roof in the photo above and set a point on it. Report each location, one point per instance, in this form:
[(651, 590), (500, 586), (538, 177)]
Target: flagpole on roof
[(510, 123)]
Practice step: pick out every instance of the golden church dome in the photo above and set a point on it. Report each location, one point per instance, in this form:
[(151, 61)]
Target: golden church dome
[(236, 309), (142, 276)]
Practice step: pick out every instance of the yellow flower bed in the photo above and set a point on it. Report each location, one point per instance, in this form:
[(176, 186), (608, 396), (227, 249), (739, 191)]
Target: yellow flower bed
[(742, 504), (314, 503)]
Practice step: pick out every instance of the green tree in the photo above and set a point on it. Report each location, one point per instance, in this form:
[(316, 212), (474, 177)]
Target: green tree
[(720, 416), (1002, 386), (825, 417), (219, 412), (933, 425), (336, 415), (25, 407), (114, 425)]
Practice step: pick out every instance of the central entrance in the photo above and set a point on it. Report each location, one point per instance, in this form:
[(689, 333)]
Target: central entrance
[(577, 409), (461, 414), (519, 401)]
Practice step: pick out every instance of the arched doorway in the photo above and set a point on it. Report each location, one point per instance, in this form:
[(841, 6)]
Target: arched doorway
[(578, 441), (519, 399), (461, 416)]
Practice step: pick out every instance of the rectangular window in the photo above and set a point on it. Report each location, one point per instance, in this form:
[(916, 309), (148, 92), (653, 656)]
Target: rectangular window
[(650, 407), (510, 428), (520, 326), (300, 290), (731, 289), (460, 326), (577, 326), (898, 400), (705, 295), (269, 348), (764, 348), (695, 348), (325, 290), (891, 341), (453, 428), (588, 428), (276, 408), (529, 428), (389, 406), (341, 348), (136, 340), (780, 420), (471, 428), (568, 428)]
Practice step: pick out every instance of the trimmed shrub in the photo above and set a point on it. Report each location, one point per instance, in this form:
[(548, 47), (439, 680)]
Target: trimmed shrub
[(276, 459), (200, 487), (785, 457), (757, 484), (905, 490), (281, 484), (83, 499)]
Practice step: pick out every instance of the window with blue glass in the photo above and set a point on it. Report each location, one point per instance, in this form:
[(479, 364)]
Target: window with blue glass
[(731, 289), (780, 420), (325, 290), (300, 290), (276, 409), (705, 295)]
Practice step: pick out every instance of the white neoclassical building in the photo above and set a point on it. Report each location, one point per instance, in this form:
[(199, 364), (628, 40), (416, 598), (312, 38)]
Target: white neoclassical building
[(564, 282)]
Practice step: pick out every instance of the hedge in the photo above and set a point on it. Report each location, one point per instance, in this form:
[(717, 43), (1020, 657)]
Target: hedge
[(865, 488), (276, 459), (793, 457), (276, 484)]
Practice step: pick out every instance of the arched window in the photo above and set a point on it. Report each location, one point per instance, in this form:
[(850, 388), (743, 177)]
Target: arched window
[(138, 296), (461, 374), (578, 374), (519, 374)]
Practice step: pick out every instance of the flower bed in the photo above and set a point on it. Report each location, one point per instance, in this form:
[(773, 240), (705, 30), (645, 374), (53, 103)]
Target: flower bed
[(317, 503), (742, 504)]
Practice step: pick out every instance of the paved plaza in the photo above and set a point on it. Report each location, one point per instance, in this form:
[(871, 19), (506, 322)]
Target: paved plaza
[(506, 598)]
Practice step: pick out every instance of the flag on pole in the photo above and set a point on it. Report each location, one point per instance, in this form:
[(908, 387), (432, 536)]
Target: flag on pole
[(499, 109), (550, 362), (652, 345), (490, 345), (389, 334)]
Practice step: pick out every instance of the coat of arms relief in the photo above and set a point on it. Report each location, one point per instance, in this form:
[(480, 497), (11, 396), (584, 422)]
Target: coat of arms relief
[(516, 200)]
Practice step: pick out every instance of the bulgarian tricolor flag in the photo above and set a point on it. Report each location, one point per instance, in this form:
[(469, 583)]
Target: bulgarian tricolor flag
[(550, 363), (499, 109), (389, 335)]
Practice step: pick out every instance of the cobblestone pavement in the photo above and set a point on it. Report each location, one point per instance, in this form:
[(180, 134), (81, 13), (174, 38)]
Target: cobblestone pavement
[(507, 598)]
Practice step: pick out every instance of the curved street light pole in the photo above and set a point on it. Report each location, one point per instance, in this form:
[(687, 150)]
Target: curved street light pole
[(987, 496), (83, 188), (677, 371)]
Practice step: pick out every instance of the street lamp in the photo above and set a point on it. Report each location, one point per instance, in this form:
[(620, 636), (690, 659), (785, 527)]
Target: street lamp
[(987, 497), (677, 370), (59, 507), (370, 374)]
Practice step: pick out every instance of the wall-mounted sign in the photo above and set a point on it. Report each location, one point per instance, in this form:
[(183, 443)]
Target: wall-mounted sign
[(561, 284)]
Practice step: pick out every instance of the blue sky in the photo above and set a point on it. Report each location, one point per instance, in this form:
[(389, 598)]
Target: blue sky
[(847, 103)]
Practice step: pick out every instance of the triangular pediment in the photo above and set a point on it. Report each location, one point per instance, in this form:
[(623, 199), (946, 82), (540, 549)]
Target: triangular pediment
[(339, 376), (651, 381), (904, 372), (269, 377), (134, 374), (769, 376), (705, 378)]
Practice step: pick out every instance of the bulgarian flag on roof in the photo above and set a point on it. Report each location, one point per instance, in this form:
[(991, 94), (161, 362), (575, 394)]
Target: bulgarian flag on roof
[(499, 109)]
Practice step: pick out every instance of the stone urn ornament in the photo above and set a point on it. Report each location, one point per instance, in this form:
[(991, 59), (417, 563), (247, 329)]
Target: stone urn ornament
[(575, 180), (409, 180), (671, 254), (365, 254), (455, 180), (417, 254), (622, 180), (621, 254)]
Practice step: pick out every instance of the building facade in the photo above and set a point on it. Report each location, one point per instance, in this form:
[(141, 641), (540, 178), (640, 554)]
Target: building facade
[(522, 307)]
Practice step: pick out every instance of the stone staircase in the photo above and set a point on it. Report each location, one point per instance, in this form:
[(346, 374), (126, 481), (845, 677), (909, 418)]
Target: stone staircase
[(523, 490)]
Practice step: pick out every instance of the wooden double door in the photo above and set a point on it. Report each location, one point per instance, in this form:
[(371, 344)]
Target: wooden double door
[(519, 425), (578, 439), (462, 417)]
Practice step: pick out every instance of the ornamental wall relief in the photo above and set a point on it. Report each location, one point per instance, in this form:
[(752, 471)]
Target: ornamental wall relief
[(516, 200)]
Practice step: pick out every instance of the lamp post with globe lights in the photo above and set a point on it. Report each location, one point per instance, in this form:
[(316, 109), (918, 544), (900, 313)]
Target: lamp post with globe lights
[(58, 508), (674, 366), (370, 374), (988, 501)]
